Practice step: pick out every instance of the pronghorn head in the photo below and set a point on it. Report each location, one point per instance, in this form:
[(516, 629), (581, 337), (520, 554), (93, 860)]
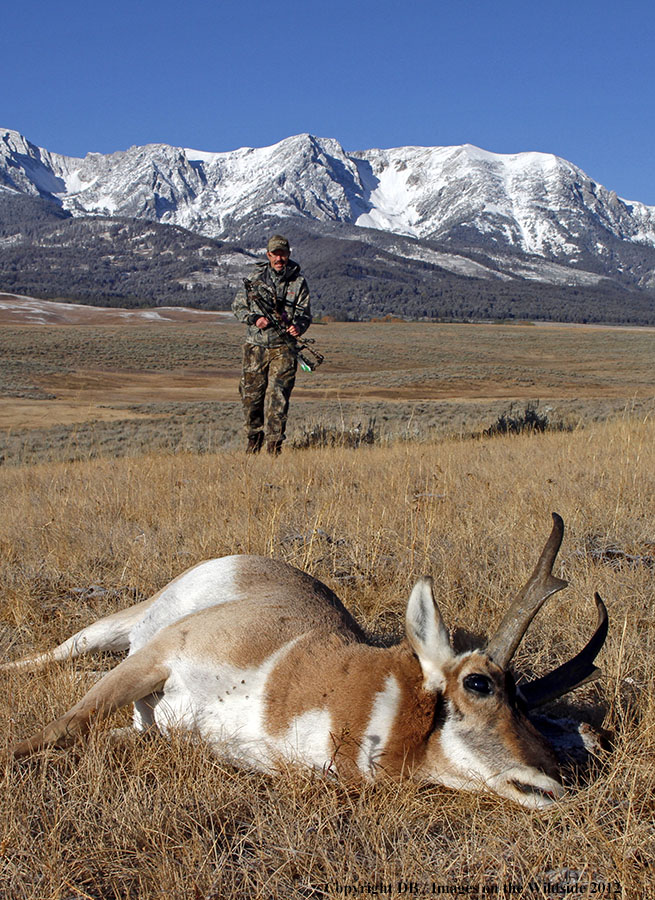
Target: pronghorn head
[(482, 737)]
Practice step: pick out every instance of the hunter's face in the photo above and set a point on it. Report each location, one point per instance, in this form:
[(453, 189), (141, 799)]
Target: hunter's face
[(278, 259)]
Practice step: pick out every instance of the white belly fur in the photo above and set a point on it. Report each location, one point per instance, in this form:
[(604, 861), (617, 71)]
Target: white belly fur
[(225, 706)]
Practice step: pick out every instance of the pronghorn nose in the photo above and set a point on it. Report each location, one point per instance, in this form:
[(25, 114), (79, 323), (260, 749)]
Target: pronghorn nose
[(529, 787)]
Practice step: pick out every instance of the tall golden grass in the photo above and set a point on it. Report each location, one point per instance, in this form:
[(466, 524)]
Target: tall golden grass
[(164, 819)]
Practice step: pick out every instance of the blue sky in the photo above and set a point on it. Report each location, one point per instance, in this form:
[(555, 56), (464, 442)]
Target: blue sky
[(572, 78)]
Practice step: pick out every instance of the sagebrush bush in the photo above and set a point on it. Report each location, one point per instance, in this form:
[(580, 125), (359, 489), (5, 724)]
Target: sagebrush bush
[(320, 434), (515, 420)]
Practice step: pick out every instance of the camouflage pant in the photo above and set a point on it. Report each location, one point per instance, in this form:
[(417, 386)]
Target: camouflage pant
[(273, 368)]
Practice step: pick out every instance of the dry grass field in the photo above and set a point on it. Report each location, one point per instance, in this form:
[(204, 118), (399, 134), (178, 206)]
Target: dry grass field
[(165, 819), (102, 386)]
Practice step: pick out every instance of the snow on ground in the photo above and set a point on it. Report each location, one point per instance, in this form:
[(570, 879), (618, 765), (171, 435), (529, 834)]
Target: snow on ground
[(17, 309)]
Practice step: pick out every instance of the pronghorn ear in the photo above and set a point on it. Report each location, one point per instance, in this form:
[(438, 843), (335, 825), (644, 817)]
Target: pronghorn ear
[(427, 634)]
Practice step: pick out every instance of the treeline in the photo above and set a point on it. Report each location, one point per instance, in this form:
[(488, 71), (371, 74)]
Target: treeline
[(478, 299), (111, 262), (132, 262), (358, 282), (22, 214)]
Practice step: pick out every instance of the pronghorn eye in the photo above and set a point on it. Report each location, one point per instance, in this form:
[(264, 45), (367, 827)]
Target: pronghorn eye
[(478, 684)]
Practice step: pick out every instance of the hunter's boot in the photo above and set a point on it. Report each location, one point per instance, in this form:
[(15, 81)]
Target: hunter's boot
[(255, 442)]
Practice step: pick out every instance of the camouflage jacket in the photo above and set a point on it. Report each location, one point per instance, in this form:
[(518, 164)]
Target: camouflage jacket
[(291, 293)]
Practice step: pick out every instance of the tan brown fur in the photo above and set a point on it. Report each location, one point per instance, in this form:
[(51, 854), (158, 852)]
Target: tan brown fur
[(327, 671), (520, 739), (417, 716), (134, 678), (307, 599), (344, 677)]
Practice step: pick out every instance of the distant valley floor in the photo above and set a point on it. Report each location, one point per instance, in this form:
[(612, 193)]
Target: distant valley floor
[(81, 380)]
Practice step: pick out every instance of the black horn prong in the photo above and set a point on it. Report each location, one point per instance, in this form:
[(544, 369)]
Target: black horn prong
[(572, 674)]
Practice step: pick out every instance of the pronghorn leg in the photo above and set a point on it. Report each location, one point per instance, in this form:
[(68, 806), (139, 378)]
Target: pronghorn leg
[(131, 680), (110, 633)]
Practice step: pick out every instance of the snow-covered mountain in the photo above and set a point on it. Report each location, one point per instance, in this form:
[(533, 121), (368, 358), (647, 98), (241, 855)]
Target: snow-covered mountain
[(527, 215)]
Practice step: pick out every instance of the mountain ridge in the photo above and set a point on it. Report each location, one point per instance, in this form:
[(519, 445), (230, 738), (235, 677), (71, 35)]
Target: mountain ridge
[(527, 218), (360, 175)]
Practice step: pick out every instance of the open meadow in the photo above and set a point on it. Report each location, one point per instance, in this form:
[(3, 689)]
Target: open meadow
[(123, 466), (102, 386)]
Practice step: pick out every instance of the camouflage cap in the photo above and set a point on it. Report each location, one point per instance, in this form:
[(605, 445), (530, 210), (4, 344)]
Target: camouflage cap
[(277, 242)]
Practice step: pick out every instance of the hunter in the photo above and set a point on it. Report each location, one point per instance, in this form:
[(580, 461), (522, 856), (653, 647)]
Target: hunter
[(279, 292)]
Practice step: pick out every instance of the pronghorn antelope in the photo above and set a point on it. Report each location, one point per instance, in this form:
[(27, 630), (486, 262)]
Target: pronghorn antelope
[(265, 663)]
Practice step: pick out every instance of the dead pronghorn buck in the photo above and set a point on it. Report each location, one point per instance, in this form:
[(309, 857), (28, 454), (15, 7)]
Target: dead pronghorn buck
[(265, 664)]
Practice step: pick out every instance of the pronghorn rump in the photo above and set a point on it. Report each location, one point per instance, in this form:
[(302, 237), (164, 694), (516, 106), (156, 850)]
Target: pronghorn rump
[(264, 662)]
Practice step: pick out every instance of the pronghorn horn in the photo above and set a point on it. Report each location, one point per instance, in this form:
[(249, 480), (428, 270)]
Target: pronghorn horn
[(541, 584), (570, 675)]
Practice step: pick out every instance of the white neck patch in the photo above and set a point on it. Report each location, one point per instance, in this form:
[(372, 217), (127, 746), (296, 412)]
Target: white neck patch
[(378, 729)]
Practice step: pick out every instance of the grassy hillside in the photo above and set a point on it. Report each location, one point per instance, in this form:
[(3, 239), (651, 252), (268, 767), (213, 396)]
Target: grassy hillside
[(167, 820)]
